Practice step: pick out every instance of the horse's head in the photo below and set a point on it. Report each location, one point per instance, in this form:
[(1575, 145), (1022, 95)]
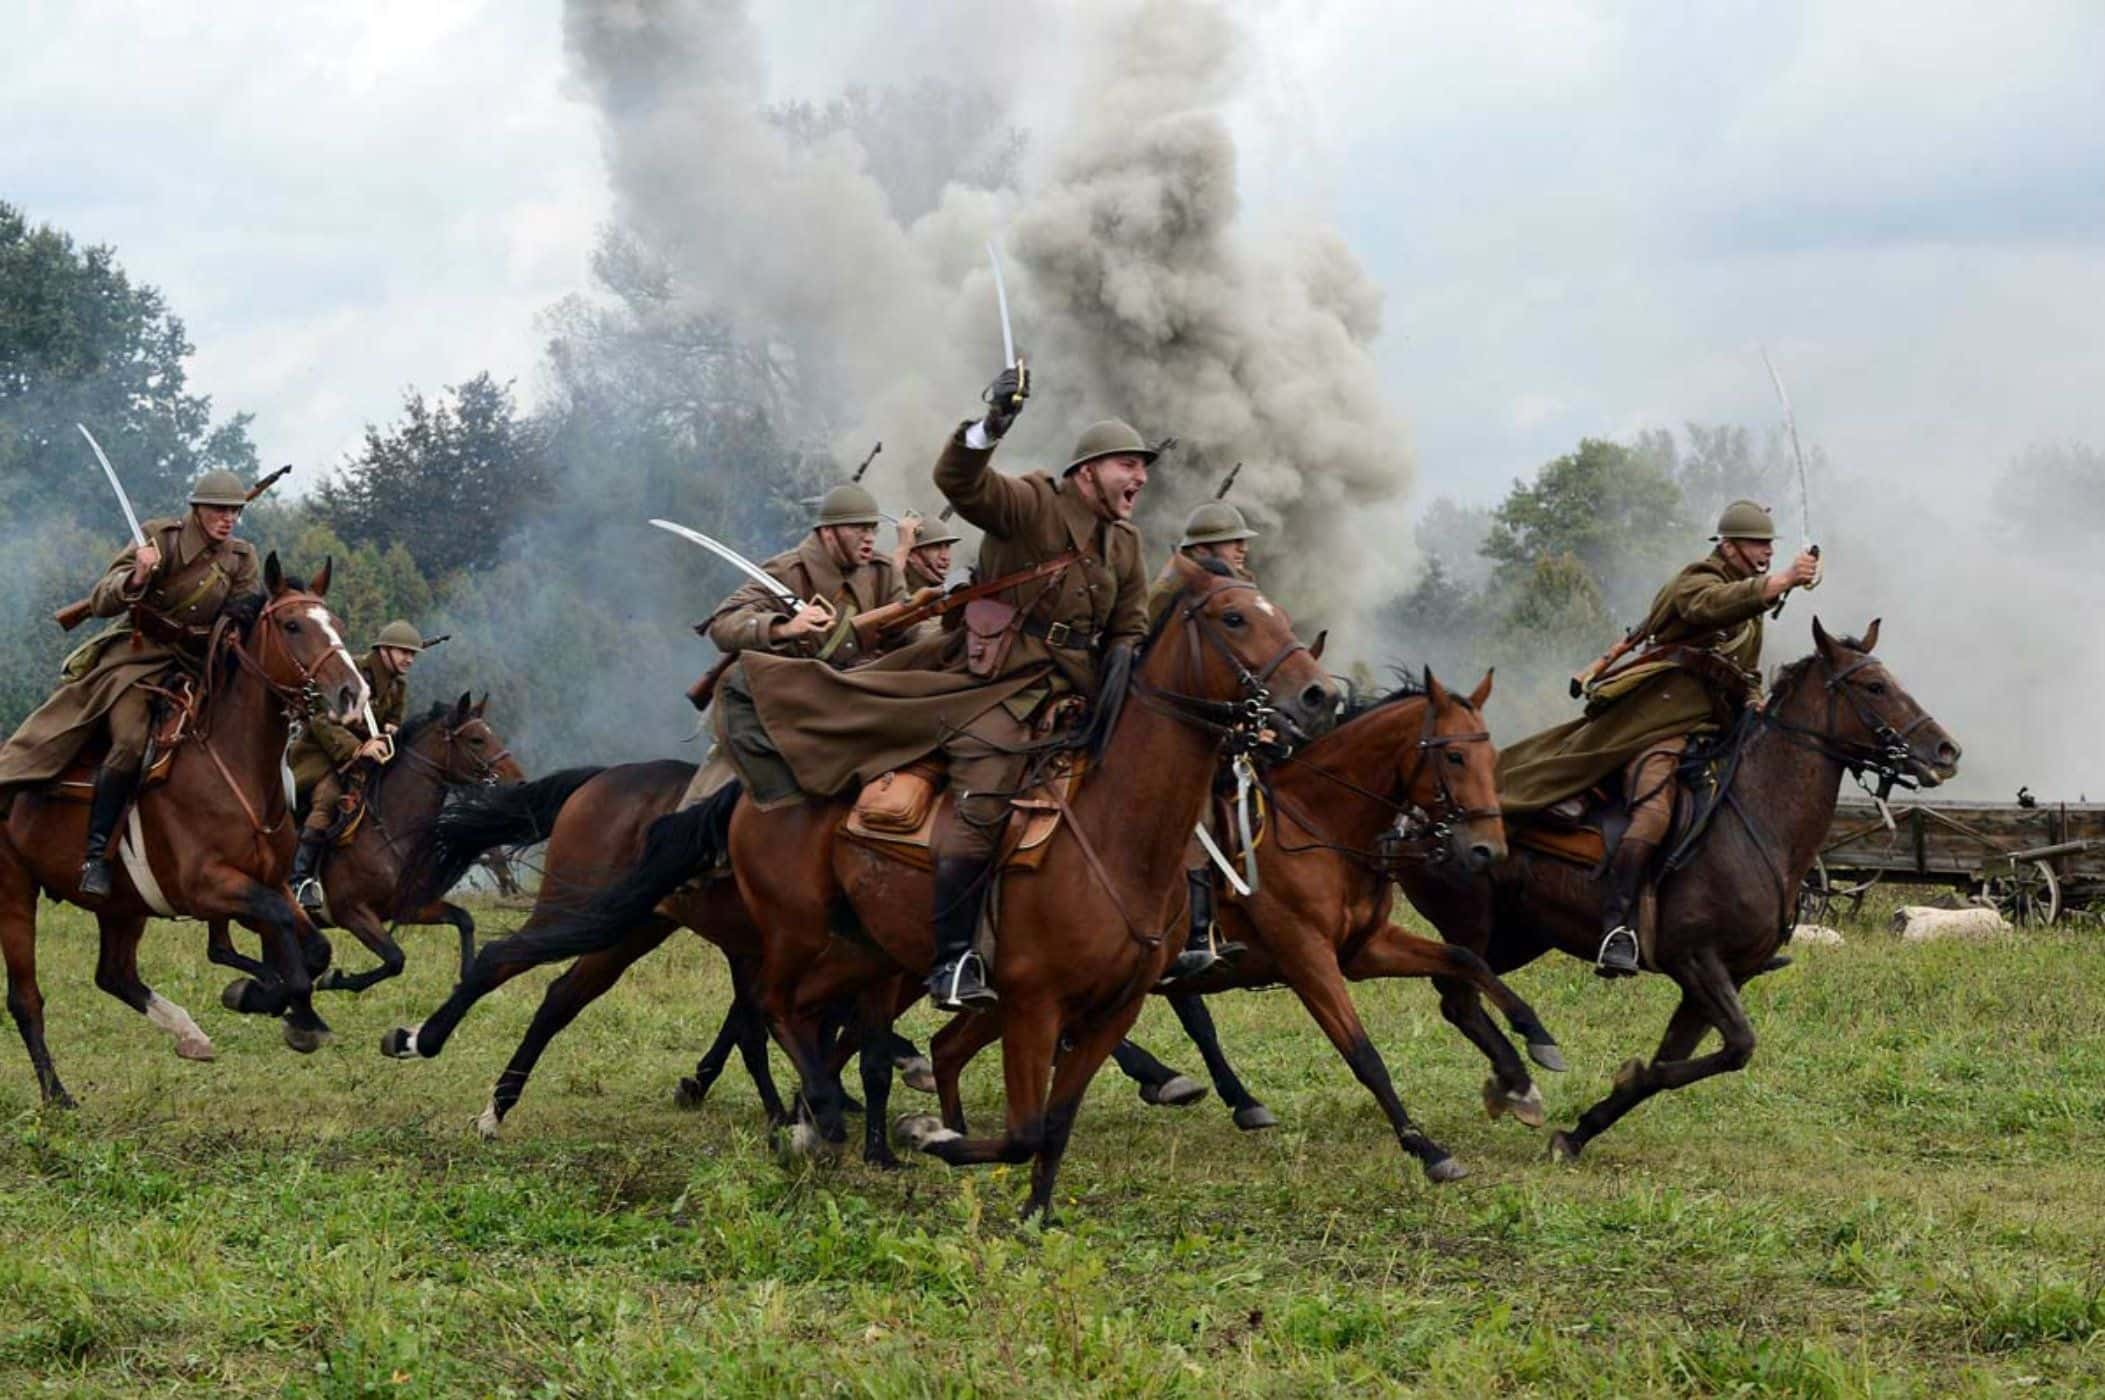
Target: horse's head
[(1452, 772), (1870, 720), (297, 646), (1239, 646), (461, 749)]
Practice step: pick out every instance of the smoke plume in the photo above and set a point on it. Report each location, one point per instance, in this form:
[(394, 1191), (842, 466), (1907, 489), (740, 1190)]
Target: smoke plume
[(1136, 291)]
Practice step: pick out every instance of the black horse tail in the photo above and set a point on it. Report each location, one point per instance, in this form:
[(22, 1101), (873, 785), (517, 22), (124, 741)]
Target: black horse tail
[(676, 848), (478, 820)]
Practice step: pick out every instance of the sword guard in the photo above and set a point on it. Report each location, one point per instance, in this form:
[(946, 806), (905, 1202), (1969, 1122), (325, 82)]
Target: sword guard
[(1023, 380)]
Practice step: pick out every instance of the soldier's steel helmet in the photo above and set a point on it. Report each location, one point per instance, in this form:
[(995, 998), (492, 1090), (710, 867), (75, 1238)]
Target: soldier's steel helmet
[(1745, 520), (1110, 438), (219, 487), (847, 504), (935, 530), (1216, 522), (400, 634)]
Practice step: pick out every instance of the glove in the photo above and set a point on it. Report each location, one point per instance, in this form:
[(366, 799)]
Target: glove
[(1004, 400)]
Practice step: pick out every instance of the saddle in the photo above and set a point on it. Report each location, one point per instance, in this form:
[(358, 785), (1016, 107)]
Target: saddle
[(1586, 827), (896, 815), (175, 710)]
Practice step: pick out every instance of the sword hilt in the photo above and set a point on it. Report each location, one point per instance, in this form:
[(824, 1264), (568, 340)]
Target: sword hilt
[(1023, 382)]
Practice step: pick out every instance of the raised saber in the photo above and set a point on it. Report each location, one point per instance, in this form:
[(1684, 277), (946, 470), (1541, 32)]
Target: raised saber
[(130, 517), (1805, 509), (1008, 336), (738, 561)]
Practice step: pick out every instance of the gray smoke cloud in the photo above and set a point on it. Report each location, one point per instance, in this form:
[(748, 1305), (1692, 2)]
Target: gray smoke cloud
[(1137, 289)]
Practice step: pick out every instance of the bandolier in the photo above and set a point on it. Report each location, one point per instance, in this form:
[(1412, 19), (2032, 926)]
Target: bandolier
[(107, 681), (330, 759), (1698, 663)]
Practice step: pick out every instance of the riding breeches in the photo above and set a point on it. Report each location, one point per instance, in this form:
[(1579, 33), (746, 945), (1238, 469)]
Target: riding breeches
[(987, 763), (130, 723), (322, 804), (1648, 782)]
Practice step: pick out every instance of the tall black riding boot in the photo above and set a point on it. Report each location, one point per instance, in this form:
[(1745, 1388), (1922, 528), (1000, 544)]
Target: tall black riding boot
[(958, 982), (113, 788), (1202, 948), (1626, 875), (305, 887)]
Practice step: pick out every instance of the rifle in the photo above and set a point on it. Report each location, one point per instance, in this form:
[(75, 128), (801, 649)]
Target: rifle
[(867, 460), (1583, 678), (1228, 482), (75, 613)]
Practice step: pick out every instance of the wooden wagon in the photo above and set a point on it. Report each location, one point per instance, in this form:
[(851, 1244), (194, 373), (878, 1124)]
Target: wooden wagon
[(2036, 862)]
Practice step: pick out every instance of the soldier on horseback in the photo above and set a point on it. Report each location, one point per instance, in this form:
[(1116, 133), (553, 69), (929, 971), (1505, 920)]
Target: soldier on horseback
[(923, 556), (330, 759), (165, 594), (1697, 655), (1215, 530)]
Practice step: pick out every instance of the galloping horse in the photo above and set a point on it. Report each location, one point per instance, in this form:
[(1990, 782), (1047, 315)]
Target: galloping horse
[(1326, 880), (362, 883), (1723, 914), (212, 828)]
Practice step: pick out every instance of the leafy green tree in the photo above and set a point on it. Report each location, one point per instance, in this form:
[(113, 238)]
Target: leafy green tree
[(1617, 514), (80, 342)]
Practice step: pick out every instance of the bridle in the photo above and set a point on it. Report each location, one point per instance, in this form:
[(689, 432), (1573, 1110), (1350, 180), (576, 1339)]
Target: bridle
[(485, 772), (1887, 757), (1237, 723)]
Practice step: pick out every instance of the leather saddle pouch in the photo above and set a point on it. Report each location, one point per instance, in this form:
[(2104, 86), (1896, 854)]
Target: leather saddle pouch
[(899, 801), (990, 634)]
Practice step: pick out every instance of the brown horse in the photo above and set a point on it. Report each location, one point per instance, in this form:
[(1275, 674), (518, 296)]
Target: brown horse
[(1729, 906), (211, 828), (362, 882), (1319, 915)]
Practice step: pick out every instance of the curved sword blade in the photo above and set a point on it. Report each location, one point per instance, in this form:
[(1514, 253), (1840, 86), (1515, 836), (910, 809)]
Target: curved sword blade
[(729, 556), (131, 517), (1001, 300)]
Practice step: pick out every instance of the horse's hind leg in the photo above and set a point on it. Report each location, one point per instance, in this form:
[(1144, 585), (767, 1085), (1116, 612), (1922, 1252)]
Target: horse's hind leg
[(583, 983), (693, 1090), (1708, 998), (874, 1012), (951, 1050), (366, 927), (464, 925), (219, 948), (1192, 1013), (117, 972), (25, 1000)]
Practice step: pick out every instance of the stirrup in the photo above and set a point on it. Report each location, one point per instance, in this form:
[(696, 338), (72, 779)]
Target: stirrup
[(1200, 958), (95, 876), (1618, 955), (949, 990), (309, 894)]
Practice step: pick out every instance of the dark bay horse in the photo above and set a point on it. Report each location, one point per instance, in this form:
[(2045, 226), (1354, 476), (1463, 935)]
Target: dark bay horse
[(447, 747), (1724, 914), (212, 828), (1326, 881)]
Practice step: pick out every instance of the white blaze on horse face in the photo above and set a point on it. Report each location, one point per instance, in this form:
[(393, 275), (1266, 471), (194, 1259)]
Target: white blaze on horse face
[(319, 616), (1264, 605)]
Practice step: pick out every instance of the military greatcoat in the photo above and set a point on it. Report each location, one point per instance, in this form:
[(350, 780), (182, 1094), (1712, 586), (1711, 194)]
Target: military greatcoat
[(194, 581), (1703, 606), (324, 746), (747, 620), (835, 729)]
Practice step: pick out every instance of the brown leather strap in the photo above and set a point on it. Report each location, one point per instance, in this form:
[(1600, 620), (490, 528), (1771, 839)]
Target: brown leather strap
[(1058, 788)]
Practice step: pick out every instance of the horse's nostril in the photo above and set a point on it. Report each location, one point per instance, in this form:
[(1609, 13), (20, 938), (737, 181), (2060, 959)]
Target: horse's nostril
[(1315, 698)]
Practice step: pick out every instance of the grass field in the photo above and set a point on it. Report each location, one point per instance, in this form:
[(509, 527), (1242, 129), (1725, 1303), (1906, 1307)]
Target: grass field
[(1901, 1196)]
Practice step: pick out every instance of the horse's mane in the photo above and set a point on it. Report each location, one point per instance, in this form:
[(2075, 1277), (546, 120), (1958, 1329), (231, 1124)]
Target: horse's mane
[(1792, 674), (1408, 687)]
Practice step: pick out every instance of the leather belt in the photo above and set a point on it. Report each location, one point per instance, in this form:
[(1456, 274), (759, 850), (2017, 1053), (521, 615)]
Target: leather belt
[(1060, 634)]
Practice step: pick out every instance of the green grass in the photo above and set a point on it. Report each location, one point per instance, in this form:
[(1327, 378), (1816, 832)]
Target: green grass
[(1901, 1196)]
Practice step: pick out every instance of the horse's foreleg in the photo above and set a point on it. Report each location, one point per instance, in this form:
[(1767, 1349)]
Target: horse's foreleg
[(951, 1050), (1311, 969), (1396, 953), (803, 1039), (1197, 1020), (117, 972), (1030, 1034), (581, 984), (1708, 999), (25, 1000), (693, 1090), (365, 925), (874, 1013), (286, 933), (464, 925), (1078, 1065)]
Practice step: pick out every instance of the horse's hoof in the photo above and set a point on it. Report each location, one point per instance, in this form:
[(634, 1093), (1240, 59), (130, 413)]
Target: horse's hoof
[(1255, 1118), (1528, 1107), (883, 1161), (918, 1074), (303, 1039), (489, 1123), (236, 992), (921, 1131), (399, 1043), (1445, 1170), (1626, 1075), (197, 1048), (62, 1101), (1562, 1147), (688, 1093), (1180, 1091), (804, 1140), (1547, 1054)]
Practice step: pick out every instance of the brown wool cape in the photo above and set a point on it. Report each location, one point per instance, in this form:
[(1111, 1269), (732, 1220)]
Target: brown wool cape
[(1702, 606)]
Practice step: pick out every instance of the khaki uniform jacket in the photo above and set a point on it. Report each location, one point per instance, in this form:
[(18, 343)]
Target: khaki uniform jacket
[(191, 585), (835, 729), (748, 619), (324, 746), (1703, 606)]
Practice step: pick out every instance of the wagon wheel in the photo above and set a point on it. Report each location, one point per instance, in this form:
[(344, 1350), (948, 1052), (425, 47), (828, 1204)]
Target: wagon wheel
[(2029, 894), (1823, 889)]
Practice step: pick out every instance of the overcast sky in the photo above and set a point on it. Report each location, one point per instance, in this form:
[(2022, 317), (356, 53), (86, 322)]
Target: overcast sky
[(1585, 217)]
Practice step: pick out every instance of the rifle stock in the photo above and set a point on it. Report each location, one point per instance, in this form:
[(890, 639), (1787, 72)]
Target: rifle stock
[(704, 690), (73, 614)]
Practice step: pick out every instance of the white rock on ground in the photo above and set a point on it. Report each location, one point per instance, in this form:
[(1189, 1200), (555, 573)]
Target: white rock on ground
[(1917, 923), (1815, 933)]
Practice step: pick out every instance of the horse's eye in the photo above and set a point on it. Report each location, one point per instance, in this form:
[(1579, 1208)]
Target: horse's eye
[(291, 626), (1454, 758), (1876, 687), (1232, 618), (476, 740)]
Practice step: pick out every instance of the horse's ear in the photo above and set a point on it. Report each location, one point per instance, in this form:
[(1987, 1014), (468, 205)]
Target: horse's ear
[(1188, 571), (1871, 634), (1822, 640), (482, 704), (463, 708), (1482, 692), (319, 584), (1315, 648), (1435, 691), (273, 574)]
